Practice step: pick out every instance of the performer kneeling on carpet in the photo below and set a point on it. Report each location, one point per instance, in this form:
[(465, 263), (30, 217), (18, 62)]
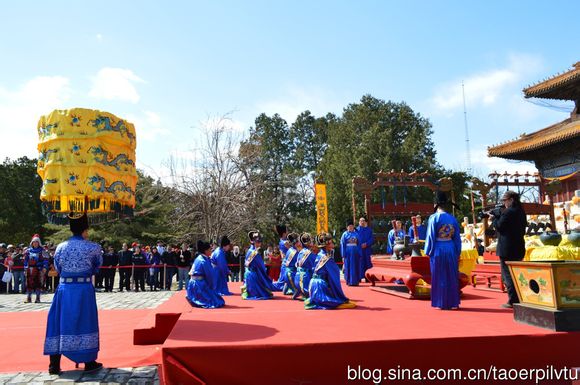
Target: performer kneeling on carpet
[(73, 325), (325, 290), (257, 284), (290, 263), (201, 289), (220, 264), (443, 246), (305, 265), (283, 245)]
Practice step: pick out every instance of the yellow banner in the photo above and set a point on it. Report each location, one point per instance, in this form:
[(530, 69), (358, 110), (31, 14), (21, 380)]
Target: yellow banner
[(321, 208)]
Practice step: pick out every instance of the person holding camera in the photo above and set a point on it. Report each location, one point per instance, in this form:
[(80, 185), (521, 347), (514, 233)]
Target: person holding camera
[(510, 225)]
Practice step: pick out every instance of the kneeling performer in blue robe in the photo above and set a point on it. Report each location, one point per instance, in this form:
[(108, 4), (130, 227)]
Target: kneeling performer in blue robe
[(290, 263), (73, 323), (305, 265), (257, 283), (325, 290), (220, 264), (201, 289)]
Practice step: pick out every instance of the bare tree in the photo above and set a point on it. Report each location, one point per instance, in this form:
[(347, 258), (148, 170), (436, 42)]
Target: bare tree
[(212, 190)]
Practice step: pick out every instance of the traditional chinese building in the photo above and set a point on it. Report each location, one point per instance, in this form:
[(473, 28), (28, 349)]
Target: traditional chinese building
[(555, 150)]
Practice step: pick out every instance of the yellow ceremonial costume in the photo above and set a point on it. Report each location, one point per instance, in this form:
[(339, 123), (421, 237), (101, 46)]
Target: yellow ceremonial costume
[(87, 163)]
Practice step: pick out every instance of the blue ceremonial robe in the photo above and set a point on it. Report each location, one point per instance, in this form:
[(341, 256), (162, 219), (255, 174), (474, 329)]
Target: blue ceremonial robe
[(366, 236), (257, 284), (391, 239), (325, 290), (201, 288), (290, 262), (73, 323), (279, 284), (305, 262), (351, 255), (221, 270), (443, 246), (421, 231)]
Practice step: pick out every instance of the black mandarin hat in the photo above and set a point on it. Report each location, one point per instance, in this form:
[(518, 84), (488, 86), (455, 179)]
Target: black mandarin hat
[(225, 241), (78, 222), (281, 229), (202, 246)]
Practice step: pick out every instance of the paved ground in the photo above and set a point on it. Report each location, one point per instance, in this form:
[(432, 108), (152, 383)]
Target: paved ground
[(146, 375)]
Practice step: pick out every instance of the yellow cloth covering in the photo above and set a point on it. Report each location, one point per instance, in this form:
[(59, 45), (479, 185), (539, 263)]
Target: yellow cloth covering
[(86, 161), (563, 253)]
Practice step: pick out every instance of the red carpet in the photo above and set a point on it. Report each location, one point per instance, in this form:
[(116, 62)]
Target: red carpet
[(278, 342), (22, 339)]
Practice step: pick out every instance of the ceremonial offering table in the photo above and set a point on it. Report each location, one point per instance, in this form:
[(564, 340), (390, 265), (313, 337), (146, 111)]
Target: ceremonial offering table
[(409, 271), (549, 293)]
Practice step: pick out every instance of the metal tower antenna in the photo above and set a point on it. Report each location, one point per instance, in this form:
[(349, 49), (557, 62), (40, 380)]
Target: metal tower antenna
[(467, 151)]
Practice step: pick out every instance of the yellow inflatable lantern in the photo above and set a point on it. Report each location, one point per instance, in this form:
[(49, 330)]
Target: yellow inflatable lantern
[(87, 164)]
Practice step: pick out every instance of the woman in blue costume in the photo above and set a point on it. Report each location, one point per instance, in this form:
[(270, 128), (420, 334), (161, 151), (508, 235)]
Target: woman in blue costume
[(290, 263), (421, 230), (220, 264), (201, 289), (257, 284), (305, 265), (443, 246), (395, 233), (283, 245), (73, 323), (367, 240), (351, 254), (325, 290)]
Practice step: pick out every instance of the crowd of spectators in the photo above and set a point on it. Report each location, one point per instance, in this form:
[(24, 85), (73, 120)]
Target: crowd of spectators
[(135, 267)]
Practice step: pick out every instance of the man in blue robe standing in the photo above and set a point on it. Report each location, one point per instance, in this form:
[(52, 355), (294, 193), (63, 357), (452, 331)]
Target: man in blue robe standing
[(351, 253), (73, 325), (367, 239)]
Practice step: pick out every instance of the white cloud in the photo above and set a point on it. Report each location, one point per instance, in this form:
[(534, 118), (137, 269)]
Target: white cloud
[(21, 108), (99, 37), (488, 87), (482, 165), (295, 100), (116, 84), (148, 125)]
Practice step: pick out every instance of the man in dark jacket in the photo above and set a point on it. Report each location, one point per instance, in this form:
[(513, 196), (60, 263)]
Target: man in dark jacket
[(125, 266), (110, 262), (511, 227)]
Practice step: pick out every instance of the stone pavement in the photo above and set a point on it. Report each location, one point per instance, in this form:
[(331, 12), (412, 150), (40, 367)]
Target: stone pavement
[(105, 301), (146, 375)]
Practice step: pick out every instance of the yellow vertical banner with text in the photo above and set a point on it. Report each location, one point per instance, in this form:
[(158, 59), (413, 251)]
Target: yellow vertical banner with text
[(321, 208)]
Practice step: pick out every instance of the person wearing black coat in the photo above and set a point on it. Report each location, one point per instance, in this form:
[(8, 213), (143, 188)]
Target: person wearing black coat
[(125, 266), (109, 267), (511, 227)]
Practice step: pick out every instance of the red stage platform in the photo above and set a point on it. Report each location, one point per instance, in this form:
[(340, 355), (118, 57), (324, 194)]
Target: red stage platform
[(278, 342)]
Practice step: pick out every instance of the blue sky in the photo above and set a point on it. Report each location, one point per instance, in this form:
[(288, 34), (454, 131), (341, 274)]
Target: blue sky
[(169, 65)]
